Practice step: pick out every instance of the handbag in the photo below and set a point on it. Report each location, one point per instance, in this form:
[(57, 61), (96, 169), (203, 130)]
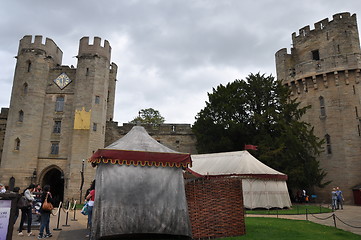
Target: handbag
[(47, 206), (85, 209), (23, 202)]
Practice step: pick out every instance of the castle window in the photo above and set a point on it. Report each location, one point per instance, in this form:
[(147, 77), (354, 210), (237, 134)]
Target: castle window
[(322, 106), (95, 126), (21, 116), (358, 129), (356, 112), (29, 66), (87, 72), (328, 144), (97, 99), (25, 88), (354, 89), (54, 148), (57, 127), (315, 55), (17, 144), (173, 128), (59, 105)]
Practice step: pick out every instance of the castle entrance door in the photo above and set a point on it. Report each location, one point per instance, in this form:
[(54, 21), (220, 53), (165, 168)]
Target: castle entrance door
[(55, 178)]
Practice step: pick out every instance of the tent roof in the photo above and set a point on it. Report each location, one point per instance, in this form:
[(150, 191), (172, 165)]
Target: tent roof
[(138, 139), (232, 163), (138, 148)]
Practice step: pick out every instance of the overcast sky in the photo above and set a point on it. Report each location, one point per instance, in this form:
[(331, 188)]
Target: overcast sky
[(170, 53)]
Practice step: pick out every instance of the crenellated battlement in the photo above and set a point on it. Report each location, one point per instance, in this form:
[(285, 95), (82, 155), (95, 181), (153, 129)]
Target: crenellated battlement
[(49, 47), (95, 49), (4, 113), (325, 25), (331, 46)]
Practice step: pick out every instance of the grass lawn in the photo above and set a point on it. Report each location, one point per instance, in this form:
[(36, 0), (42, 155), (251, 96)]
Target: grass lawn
[(276, 228), (296, 209)]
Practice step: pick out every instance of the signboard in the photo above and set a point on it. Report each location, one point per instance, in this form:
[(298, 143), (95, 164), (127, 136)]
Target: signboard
[(5, 207)]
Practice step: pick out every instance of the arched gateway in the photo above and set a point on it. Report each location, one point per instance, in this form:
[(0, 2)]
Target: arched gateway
[(54, 177)]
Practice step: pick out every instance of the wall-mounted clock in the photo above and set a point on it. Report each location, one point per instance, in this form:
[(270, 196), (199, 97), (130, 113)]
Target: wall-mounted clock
[(62, 81)]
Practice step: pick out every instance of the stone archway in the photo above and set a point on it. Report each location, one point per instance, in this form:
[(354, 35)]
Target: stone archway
[(55, 178)]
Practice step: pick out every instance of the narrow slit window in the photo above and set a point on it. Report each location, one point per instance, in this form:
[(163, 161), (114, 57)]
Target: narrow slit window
[(17, 144), (25, 88), (21, 116), (356, 112), (29, 66), (95, 126), (322, 106), (328, 144)]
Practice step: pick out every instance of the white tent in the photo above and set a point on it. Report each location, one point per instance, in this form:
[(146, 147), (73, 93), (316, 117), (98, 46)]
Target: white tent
[(263, 187)]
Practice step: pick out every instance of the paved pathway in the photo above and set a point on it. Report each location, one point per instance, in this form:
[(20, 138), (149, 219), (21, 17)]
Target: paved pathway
[(350, 215), (77, 229)]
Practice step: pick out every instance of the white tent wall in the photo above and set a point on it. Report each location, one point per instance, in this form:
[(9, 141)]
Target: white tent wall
[(258, 193), (139, 200)]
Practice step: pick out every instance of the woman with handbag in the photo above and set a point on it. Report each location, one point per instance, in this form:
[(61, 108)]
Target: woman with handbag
[(90, 198), (26, 210), (45, 211)]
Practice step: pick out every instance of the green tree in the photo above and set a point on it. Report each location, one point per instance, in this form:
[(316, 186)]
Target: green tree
[(259, 111), (148, 116)]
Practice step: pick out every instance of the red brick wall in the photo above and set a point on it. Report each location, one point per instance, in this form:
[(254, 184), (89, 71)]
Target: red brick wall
[(216, 207)]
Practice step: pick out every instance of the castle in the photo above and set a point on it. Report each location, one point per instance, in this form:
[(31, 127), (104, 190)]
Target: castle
[(323, 70), (60, 115)]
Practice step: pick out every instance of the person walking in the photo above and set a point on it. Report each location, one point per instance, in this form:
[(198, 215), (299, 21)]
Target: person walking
[(26, 212), (90, 198), (340, 198), (45, 214), (334, 199), (2, 188)]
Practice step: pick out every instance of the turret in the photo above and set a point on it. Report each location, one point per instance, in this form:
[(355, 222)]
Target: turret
[(95, 49), (49, 49), (331, 46)]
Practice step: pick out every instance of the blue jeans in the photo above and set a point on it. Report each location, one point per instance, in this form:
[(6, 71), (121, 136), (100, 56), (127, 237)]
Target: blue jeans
[(44, 223), (90, 214), (334, 204), (26, 214)]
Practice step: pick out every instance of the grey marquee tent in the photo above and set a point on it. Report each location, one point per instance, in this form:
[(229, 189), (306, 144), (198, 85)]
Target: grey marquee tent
[(139, 191)]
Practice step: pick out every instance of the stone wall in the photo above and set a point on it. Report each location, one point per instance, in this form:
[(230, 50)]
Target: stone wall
[(178, 137)]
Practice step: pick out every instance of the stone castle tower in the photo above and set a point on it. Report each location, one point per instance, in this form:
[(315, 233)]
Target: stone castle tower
[(57, 115), (323, 70)]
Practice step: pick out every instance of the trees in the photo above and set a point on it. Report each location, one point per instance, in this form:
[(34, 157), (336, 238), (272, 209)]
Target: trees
[(150, 116), (258, 111)]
